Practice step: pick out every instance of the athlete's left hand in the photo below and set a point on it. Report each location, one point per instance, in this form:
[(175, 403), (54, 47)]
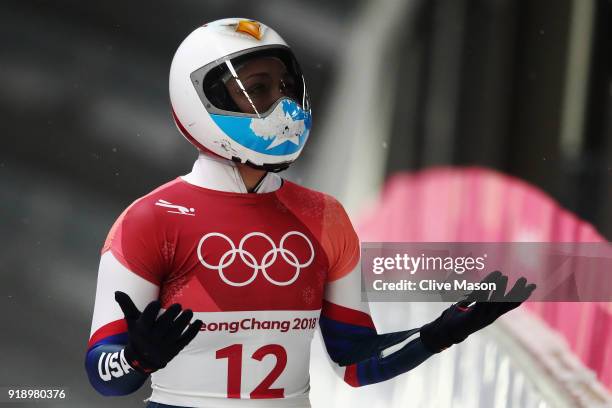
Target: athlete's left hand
[(478, 310)]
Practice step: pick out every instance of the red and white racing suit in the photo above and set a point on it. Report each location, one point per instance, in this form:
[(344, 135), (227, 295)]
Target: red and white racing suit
[(261, 270)]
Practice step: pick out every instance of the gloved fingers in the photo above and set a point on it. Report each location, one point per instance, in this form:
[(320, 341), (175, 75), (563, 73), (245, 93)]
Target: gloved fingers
[(149, 314), (483, 295), (190, 333), (529, 290), (505, 303), (177, 327), (500, 289), (518, 298), (518, 291), (165, 321), (129, 309), (525, 293)]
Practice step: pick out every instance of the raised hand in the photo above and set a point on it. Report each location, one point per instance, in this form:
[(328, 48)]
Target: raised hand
[(478, 310), (153, 341)]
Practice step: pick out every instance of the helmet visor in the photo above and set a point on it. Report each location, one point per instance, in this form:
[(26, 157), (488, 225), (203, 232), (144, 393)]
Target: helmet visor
[(251, 82)]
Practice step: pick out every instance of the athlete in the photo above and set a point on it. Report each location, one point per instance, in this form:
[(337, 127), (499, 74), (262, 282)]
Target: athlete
[(213, 284)]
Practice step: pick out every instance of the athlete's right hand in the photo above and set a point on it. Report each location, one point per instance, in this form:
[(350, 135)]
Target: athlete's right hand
[(479, 309), (152, 341)]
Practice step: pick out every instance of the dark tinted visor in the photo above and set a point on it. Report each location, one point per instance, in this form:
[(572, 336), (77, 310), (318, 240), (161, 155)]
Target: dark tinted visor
[(251, 83)]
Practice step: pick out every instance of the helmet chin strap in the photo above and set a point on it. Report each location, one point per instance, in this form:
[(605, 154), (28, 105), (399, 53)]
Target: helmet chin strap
[(243, 171), (274, 168)]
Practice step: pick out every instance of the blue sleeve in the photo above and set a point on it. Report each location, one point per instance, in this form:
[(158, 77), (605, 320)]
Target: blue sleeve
[(360, 350), (108, 371), (377, 368)]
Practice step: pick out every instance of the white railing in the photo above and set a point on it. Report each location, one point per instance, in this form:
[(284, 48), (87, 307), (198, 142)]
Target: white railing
[(517, 362)]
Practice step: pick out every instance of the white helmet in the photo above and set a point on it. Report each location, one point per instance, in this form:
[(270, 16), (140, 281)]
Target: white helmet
[(238, 92)]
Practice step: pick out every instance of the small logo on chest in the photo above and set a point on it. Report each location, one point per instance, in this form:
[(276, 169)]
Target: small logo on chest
[(176, 209), (274, 254)]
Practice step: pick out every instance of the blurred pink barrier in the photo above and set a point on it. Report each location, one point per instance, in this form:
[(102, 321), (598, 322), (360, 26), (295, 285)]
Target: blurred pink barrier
[(480, 205)]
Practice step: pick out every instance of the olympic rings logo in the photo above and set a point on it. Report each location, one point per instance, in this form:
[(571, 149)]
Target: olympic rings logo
[(249, 259)]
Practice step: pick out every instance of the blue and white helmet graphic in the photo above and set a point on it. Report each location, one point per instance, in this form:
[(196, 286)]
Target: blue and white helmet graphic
[(237, 91)]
